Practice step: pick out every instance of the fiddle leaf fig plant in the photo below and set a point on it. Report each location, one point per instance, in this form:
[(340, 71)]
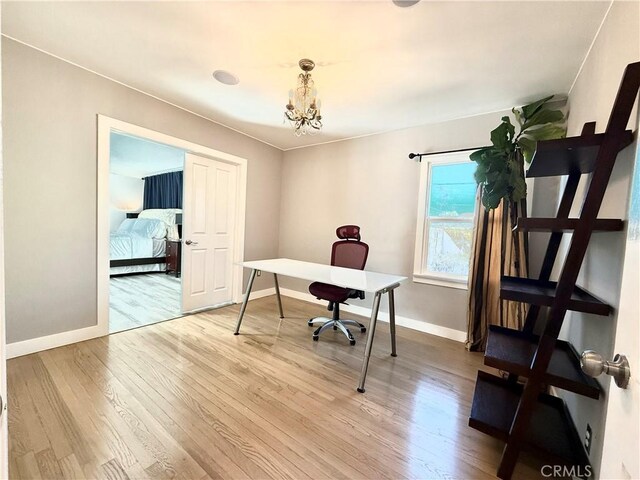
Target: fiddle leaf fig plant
[(500, 168)]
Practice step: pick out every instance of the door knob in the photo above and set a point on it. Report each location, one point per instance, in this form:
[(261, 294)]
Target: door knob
[(593, 365), (190, 242)]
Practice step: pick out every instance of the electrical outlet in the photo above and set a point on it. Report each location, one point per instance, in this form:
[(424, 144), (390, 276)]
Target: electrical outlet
[(588, 437)]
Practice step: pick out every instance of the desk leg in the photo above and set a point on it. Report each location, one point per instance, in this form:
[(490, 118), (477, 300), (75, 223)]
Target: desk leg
[(370, 333), (245, 301), (275, 279), (392, 322)]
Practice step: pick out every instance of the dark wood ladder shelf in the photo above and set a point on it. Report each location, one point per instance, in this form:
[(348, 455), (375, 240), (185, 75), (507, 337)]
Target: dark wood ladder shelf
[(513, 350), (551, 431), (522, 415), (570, 155), (566, 225), (541, 292)]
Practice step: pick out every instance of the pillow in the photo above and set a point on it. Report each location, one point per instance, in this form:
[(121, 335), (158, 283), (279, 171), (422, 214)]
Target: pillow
[(149, 228), (126, 225), (168, 216)]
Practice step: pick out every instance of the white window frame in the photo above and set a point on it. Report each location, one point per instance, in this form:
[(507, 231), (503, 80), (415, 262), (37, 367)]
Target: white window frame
[(422, 226)]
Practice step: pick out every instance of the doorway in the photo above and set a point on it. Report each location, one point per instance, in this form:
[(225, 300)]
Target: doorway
[(184, 257), (145, 223)]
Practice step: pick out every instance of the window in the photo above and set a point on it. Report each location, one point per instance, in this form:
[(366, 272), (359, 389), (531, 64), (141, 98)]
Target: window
[(444, 232)]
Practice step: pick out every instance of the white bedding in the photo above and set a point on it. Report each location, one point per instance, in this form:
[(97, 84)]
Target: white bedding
[(142, 238), (127, 245)]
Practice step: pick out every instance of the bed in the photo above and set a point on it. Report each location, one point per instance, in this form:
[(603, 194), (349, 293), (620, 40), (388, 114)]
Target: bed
[(139, 244)]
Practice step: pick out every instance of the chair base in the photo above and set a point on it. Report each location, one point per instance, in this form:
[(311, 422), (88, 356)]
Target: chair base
[(340, 324)]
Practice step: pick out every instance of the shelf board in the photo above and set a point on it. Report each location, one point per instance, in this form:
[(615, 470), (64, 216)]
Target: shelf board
[(551, 431), (513, 351), (565, 225), (570, 155), (539, 292)]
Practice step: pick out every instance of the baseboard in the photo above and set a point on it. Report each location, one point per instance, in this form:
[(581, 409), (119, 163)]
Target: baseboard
[(263, 293), (39, 344), (34, 345), (437, 330)]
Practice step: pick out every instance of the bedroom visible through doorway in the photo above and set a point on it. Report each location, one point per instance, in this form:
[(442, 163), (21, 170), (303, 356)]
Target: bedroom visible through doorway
[(145, 227)]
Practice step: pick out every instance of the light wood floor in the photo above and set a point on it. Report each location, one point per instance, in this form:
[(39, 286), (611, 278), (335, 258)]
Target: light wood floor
[(187, 399), (136, 300)]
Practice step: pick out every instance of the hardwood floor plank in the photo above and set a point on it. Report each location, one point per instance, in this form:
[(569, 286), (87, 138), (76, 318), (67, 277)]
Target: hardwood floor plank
[(266, 443), (27, 466), (140, 422), (110, 443), (114, 471), (27, 432), (324, 435), (237, 452), (48, 464), (53, 428), (71, 468), (186, 399), (138, 300)]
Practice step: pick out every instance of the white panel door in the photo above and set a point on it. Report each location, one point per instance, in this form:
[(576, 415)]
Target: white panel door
[(208, 223), (620, 456), (4, 444)]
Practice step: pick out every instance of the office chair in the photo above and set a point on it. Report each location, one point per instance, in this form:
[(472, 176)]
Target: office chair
[(348, 252)]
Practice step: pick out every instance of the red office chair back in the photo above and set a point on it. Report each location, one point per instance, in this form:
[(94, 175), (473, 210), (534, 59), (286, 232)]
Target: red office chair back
[(349, 252)]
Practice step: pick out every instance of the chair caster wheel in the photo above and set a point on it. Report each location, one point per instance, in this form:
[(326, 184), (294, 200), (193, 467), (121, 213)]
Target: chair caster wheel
[(352, 342), (315, 338), (310, 322), (363, 329), (335, 328)]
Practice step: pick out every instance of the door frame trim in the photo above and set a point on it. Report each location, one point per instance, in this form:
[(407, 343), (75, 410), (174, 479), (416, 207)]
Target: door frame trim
[(105, 126)]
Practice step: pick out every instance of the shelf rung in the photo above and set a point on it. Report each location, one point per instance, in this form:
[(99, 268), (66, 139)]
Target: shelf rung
[(512, 351), (540, 292), (570, 155), (551, 430), (565, 225)]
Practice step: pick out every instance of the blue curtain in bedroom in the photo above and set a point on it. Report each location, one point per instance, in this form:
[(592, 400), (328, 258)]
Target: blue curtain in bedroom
[(163, 191)]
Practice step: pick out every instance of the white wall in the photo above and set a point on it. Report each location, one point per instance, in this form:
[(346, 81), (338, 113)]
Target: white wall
[(50, 110), (591, 99), (125, 195), (370, 182)]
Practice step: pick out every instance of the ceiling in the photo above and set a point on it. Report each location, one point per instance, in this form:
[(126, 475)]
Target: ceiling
[(379, 67), (138, 157)]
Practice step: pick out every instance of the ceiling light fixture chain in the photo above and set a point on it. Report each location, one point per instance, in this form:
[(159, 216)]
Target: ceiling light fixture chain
[(303, 109)]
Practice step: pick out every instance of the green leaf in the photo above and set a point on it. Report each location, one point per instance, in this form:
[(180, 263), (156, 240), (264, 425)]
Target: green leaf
[(490, 200), (543, 116), (519, 191), (529, 110), (511, 130), (547, 132), (527, 147), (502, 135), (477, 155)]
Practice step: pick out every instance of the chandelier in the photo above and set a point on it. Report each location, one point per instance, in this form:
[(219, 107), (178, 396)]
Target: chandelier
[(303, 109)]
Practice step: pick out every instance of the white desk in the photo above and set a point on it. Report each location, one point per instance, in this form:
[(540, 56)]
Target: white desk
[(372, 282)]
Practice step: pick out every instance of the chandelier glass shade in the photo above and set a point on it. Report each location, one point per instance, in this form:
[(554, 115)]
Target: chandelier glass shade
[(303, 109)]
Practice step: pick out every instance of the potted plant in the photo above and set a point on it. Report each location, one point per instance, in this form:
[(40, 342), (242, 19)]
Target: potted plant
[(500, 169), (497, 249)]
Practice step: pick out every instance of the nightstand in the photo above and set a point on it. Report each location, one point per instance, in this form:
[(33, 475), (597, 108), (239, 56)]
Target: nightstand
[(174, 257)]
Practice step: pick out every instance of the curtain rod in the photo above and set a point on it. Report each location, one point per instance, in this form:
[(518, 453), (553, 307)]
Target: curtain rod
[(420, 155)]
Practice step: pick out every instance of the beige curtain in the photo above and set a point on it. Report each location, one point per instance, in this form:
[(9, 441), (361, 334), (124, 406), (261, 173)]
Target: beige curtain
[(496, 251)]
